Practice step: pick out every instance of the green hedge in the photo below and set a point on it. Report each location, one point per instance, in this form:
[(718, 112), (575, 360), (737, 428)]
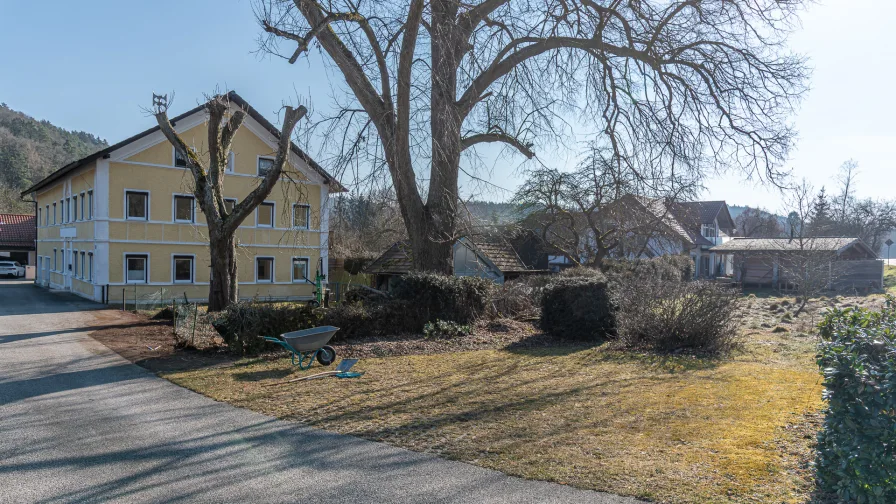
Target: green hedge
[(241, 324), (442, 297), (857, 446), (578, 307)]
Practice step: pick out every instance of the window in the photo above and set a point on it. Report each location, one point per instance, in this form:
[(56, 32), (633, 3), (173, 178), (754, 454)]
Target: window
[(137, 204), (39, 216), (183, 269), (74, 263), (54, 213), (135, 268), (62, 211), (180, 160), (299, 269), (709, 230), (230, 162), (229, 204), (47, 214), (90, 266), (83, 202), (82, 270), (75, 208), (68, 209), (264, 166), (183, 208), (264, 269), (90, 205), (55, 262), (265, 215), (301, 215)]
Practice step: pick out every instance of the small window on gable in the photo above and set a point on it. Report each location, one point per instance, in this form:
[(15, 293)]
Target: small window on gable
[(265, 164), (135, 268), (299, 269), (301, 215), (265, 215), (180, 160), (183, 209), (264, 269), (137, 205), (183, 269)]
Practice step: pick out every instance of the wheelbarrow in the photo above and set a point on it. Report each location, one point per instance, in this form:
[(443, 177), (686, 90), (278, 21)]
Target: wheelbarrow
[(307, 345)]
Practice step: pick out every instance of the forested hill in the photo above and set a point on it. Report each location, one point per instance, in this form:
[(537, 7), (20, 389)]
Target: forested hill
[(30, 150)]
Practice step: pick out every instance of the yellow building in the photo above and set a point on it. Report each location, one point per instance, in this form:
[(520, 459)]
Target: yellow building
[(122, 222)]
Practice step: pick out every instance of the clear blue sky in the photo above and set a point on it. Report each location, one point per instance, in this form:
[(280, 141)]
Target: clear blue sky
[(92, 65)]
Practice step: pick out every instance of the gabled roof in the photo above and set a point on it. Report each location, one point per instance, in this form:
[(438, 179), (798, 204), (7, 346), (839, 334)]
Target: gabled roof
[(398, 259), (234, 98), (703, 212), (822, 244), (17, 231)]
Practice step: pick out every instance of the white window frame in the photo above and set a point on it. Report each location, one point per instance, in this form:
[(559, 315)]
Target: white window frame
[(258, 163), (709, 227), (54, 213), (47, 223), (231, 162), (90, 205), (83, 204), (75, 208), (74, 264), (307, 215), (174, 258), (40, 216), (273, 268), (174, 207), (292, 269), (145, 256), (273, 223), (126, 207), (68, 211), (174, 158), (83, 261), (90, 265), (55, 259)]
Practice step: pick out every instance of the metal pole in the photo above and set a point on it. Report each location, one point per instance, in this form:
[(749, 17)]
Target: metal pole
[(123, 299)]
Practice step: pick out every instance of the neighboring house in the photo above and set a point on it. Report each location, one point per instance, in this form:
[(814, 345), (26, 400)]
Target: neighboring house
[(123, 221), (493, 259), (844, 263), (17, 238), (689, 228)]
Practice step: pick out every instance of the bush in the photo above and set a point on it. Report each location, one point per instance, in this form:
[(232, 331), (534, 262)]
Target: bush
[(672, 268), (519, 299), (442, 297), (241, 324), (446, 329), (373, 318), (857, 445), (667, 315), (578, 307)]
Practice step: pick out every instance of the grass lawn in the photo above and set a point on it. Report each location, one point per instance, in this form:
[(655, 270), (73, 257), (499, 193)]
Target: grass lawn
[(890, 279), (670, 429)]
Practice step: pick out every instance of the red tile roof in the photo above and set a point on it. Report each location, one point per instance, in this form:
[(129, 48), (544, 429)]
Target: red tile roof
[(17, 231)]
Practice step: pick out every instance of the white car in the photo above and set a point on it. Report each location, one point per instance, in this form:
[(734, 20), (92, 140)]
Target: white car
[(11, 268)]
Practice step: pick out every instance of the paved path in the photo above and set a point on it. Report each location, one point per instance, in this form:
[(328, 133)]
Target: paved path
[(80, 424)]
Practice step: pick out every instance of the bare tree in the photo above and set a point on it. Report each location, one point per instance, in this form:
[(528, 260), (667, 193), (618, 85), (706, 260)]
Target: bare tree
[(695, 85), (601, 209), (758, 223), (208, 168), (849, 172)]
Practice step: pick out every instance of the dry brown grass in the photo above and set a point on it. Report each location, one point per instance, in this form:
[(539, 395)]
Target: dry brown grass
[(668, 428)]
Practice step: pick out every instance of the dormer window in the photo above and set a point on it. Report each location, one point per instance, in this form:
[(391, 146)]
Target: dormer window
[(709, 231)]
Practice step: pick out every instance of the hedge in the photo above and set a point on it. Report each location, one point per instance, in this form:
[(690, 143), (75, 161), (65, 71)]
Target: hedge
[(441, 297), (241, 324), (856, 456), (578, 307)]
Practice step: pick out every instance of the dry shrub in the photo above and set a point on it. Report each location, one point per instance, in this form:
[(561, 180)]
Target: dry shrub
[(519, 299), (442, 297), (670, 268), (670, 315), (242, 323), (379, 318)]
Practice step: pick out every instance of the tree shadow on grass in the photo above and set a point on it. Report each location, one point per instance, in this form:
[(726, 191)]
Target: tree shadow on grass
[(544, 345), (268, 374)]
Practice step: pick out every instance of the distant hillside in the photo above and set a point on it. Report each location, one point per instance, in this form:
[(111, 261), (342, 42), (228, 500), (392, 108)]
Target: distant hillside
[(491, 213), (32, 149)]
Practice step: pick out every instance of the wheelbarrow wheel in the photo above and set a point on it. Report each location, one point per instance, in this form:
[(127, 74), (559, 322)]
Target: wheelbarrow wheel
[(326, 355)]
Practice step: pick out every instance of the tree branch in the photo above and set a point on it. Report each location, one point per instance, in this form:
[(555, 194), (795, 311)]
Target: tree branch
[(524, 148)]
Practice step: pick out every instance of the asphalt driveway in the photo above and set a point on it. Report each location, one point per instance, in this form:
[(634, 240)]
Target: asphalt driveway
[(80, 424)]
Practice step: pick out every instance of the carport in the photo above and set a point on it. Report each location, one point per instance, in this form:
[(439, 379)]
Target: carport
[(18, 233)]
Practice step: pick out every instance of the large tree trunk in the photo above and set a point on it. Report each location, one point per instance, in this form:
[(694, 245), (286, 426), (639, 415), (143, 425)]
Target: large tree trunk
[(223, 283)]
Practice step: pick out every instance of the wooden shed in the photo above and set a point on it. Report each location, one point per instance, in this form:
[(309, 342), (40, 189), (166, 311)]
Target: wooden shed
[(842, 263)]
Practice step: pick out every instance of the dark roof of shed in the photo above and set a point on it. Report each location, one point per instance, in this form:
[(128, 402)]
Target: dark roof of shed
[(822, 244), (233, 97), (17, 231), (704, 212), (398, 259)]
